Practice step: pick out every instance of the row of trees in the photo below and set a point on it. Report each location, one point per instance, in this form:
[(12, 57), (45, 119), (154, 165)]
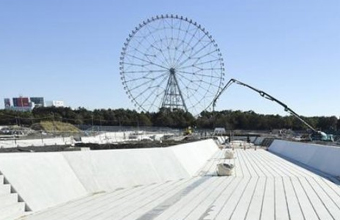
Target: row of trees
[(228, 119)]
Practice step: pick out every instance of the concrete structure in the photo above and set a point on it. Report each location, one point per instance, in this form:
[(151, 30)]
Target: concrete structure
[(45, 180), (36, 142), (19, 104), (102, 138), (55, 103), (38, 101), (27, 104), (178, 182), (319, 157)]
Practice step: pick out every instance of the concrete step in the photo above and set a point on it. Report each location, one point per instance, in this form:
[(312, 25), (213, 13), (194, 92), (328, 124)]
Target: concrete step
[(5, 189), (16, 209), (15, 216), (8, 199)]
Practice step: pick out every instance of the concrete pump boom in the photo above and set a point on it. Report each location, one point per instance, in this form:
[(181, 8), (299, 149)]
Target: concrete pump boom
[(265, 95)]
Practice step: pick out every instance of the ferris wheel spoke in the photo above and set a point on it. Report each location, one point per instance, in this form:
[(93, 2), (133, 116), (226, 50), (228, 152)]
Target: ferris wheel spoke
[(145, 77), (145, 91), (149, 55), (160, 49), (198, 74), (191, 56), (141, 59), (168, 40), (197, 43), (148, 90), (205, 55), (186, 47), (177, 39), (198, 64), (182, 42), (145, 71), (192, 94), (157, 47), (165, 31), (136, 65), (152, 93), (146, 82)]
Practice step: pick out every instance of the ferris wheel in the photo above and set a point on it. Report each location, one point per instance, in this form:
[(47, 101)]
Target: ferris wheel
[(172, 62)]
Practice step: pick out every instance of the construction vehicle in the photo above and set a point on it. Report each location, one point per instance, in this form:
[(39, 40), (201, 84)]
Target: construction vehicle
[(188, 131), (315, 136)]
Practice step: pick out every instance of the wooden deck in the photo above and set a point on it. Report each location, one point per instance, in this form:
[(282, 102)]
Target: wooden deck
[(263, 186)]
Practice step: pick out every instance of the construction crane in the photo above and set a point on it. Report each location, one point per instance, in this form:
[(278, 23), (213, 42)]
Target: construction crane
[(316, 135)]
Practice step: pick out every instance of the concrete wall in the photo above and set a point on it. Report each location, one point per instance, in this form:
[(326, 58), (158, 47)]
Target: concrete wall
[(41, 179), (107, 170), (193, 156), (320, 157), (36, 142), (48, 179)]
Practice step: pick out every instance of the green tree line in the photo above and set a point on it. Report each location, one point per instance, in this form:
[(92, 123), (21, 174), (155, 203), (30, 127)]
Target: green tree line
[(231, 120)]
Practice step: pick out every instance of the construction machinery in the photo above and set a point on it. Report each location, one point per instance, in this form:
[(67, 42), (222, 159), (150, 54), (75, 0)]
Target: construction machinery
[(315, 136)]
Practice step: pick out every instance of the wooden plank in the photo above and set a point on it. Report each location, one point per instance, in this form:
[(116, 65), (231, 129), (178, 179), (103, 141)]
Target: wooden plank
[(306, 207), (267, 162), (257, 164), (82, 205), (255, 207), (244, 166), (210, 167), (243, 205), (181, 205), (263, 164), (249, 164), (268, 208), (232, 203), (134, 211), (144, 199), (203, 206), (294, 209), (327, 196), (114, 205), (281, 208), (317, 204), (222, 199)]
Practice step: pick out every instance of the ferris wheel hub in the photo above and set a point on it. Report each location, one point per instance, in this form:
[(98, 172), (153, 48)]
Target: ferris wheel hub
[(172, 71)]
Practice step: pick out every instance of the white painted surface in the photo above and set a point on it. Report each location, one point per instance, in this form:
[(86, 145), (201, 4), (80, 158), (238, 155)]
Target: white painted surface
[(16, 210), (48, 179), (36, 142), (268, 187), (193, 156), (41, 179), (110, 169), (320, 157)]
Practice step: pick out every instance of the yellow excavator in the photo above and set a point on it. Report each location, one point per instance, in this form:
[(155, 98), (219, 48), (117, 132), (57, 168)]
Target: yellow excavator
[(188, 131), (315, 136)]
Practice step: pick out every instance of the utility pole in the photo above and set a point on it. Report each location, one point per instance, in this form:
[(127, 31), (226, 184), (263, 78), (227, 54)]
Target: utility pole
[(92, 124)]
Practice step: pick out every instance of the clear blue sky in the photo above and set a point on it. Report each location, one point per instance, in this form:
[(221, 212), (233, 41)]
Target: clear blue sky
[(69, 50)]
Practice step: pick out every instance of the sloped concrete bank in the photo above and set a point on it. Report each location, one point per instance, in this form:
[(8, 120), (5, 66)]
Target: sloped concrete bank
[(47, 179), (320, 157)]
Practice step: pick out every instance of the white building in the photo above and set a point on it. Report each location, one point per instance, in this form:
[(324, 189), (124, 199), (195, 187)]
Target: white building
[(55, 103)]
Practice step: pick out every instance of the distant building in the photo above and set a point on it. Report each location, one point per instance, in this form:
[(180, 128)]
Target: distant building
[(55, 103), (27, 104), (7, 103), (21, 102), (38, 101), (58, 103)]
